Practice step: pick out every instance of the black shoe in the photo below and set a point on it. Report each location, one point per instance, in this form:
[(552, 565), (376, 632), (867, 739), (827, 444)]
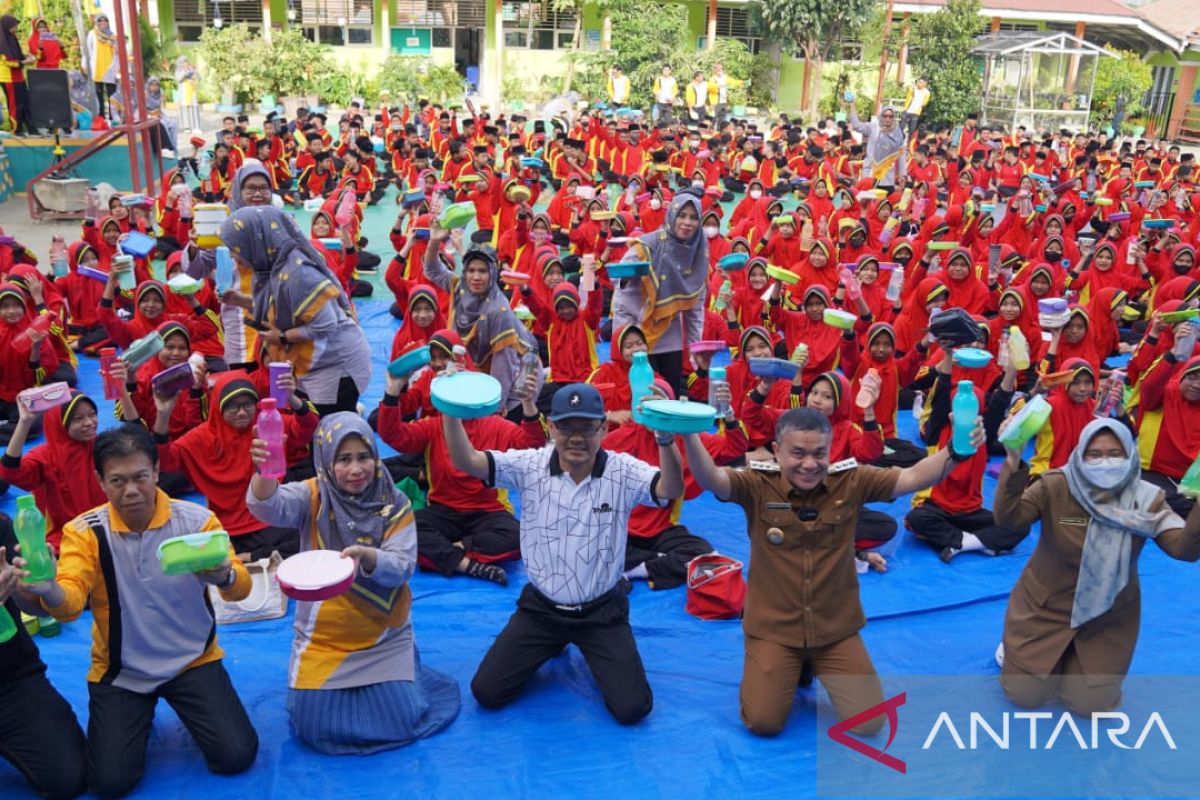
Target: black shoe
[(806, 675), (487, 572), (946, 554)]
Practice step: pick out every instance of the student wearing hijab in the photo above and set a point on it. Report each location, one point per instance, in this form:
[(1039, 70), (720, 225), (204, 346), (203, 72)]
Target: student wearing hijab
[(82, 295), (13, 61), (668, 303), (611, 378), (1072, 407), (356, 682), (299, 308), (1169, 432), (215, 457), (27, 355), (59, 473), (44, 45), (481, 314), (422, 320), (1073, 617)]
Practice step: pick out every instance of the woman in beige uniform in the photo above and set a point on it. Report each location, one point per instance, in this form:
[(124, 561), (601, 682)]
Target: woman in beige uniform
[(1073, 616)]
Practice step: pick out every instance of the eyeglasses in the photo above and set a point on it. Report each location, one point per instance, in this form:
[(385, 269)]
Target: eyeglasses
[(585, 429), (240, 407), (261, 191)]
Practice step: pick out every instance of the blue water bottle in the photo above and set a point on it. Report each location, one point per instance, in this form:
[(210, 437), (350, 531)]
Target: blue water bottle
[(641, 378), (224, 270), (963, 412)]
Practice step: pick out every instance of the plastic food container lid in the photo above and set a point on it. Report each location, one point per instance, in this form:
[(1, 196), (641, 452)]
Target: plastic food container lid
[(783, 275), (315, 569), (972, 357), (466, 395)]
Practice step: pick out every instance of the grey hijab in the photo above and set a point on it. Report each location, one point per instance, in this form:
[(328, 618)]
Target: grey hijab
[(289, 273), (678, 269), (1117, 515), (251, 166), (344, 520), (486, 322)]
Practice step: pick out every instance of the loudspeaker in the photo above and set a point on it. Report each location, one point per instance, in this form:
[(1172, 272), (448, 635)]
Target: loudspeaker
[(49, 99)]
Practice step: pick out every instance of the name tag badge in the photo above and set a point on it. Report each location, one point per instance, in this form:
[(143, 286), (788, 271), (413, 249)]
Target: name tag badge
[(775, 536), (1081, 521), (779, 506)]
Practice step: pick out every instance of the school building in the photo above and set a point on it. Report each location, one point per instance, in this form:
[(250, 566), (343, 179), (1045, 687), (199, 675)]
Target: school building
[(489, 39)]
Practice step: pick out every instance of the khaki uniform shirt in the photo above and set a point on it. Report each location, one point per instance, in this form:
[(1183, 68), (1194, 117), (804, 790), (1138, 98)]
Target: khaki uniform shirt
[(803, 586)]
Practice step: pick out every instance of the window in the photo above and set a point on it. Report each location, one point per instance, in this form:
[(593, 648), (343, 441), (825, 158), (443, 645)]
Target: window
[(535, 24), (440, 14), (1158, 98), (734, 23), (442, 38), (193, 16), (338, 22)]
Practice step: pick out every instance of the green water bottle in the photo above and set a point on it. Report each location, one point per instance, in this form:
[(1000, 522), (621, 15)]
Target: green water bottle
[(8, 628), (30, 527)]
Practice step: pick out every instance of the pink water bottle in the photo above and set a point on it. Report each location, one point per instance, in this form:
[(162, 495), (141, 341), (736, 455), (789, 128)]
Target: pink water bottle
[(108, 357), (345, 209), (853, 289), (270, 429)]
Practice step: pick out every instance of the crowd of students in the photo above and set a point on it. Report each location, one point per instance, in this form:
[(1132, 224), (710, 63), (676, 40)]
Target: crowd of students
[(989, 222)]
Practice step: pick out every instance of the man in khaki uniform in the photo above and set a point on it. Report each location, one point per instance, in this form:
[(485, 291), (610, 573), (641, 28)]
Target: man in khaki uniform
[(802, 604)]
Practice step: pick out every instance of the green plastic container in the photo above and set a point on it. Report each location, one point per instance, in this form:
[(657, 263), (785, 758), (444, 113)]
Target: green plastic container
[(1026, 423), (195, 552), (8, 628)]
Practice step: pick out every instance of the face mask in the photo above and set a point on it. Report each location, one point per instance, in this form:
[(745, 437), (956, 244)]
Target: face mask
[(710, 231), (1106, 473), (655, 203), (755, 194), (698, 184), (539, 235)]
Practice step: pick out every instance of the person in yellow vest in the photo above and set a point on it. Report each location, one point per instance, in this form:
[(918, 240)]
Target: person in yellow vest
[(618, 87), (914, 104), (696, 98), (102, 61)]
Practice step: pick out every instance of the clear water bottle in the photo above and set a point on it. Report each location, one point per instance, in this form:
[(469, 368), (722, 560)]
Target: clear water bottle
[(270, 430), (1108, 403), (1185, 341), (918, 406), (1003, 354), (58, 257), (30, 527), (726, 287), (716, 381), (641, 378), (530, 365), (964, 410), (895, 285)]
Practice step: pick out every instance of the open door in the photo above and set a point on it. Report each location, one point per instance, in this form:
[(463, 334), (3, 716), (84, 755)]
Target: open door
[(468, 52)]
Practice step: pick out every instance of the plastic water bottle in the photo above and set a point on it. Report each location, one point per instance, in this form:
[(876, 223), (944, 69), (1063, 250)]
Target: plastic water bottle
[(345, 210), (726, 288), (963, 412), (889, 229), (853, 289), (1185, 343), (1003, 352), (863, 399), (108, 358), (58, 256), (30, 527), (224, 270), (895, 285), (270, 429), (8, 628), (641, 378), (806, 234), (716, 380), (531, 364), (1108, 403), (918, 406), (1018, 348)]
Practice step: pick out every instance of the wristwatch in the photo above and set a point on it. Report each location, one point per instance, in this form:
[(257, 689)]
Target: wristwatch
[(958, 458), (230, 579), (664, 439)]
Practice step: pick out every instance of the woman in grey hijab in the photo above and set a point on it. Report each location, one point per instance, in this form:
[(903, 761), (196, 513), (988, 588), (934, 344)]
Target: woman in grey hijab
[(1073, 616), (668, 303), (356, 683), (299, 309)]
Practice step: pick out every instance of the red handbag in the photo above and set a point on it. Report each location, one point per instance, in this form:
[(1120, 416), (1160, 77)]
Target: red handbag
[(716, 589)]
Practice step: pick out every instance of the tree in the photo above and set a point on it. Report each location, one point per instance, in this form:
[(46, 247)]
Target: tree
[(817, 28), (1127, 75), (941, 53)]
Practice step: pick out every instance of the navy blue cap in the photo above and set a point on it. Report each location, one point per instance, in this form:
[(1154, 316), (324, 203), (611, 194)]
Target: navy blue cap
[(576, 400)]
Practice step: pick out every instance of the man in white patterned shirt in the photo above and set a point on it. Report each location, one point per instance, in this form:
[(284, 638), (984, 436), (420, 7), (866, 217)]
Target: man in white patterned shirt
[(575, 504)]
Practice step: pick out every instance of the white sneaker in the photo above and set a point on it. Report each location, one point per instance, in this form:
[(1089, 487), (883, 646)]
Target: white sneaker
[(1000, 655)]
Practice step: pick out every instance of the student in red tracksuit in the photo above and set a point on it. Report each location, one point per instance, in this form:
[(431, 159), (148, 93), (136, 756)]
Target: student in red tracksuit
[(570, 336), (466, 526), (953, 519), (658, 547)]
